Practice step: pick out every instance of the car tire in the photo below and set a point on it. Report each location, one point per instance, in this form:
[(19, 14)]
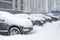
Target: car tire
[(50, 21), (37, 23), (13, 31)]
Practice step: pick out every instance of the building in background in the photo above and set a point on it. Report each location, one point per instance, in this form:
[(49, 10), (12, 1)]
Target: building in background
[(29, 6), (14, 6)]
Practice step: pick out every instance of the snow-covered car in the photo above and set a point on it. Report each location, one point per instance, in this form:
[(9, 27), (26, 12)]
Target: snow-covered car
[(47, 18), (54, 18), (36, 19), (40, 17), (14, 25)]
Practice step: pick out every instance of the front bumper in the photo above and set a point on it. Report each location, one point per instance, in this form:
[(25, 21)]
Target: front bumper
[(27, 29)]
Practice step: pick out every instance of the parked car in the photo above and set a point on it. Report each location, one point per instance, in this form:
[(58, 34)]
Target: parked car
[(54, 18), (14, 25), (47, 18), (36, 19), (39, 16)]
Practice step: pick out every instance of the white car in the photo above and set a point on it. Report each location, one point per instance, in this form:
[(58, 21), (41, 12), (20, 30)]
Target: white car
[(37, 20), (14, 25)]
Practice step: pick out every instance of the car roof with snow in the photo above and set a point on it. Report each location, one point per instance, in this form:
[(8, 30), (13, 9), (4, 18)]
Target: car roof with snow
[(21, 15)]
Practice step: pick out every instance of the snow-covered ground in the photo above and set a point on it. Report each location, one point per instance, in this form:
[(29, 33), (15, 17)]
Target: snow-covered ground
[(50, 31)]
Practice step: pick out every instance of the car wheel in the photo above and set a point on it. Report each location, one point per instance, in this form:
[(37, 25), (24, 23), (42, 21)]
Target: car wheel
[(14, 30), (50, 21), (37, 23)]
